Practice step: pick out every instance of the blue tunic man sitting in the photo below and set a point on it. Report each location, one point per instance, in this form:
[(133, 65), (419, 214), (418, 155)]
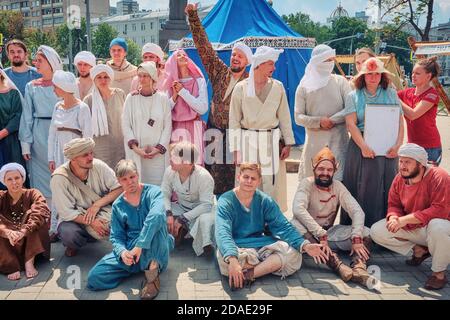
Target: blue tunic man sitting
[(139, 235)]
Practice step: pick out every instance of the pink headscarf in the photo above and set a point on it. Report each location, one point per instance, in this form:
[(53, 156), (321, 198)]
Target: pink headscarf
[(171, 70)]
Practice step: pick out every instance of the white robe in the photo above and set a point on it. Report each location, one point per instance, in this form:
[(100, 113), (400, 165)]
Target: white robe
[(195, 201), (148, 120), (266, 122)]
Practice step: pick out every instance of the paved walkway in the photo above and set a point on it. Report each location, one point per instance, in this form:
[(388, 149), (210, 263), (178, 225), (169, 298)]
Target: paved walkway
[(190, 277)]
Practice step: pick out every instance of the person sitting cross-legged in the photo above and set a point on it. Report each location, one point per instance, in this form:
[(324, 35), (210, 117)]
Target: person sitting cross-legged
[(139, 236), (245, 252), (315, 209), (418, 219)]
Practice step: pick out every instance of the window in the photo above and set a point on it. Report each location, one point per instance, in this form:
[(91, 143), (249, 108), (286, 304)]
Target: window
[(142, 26), (151, 25), (133, 26), (58, 20), (143, 40), (47, 22)]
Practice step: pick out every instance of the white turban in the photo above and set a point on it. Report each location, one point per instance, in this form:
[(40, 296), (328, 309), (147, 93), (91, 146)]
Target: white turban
[(245, 49), (86, 57), (65, 81), (12, 167), (150, 68), (99, 117), (262, 54), (414, 151), (52, 57), (318, 72), (155, 49)]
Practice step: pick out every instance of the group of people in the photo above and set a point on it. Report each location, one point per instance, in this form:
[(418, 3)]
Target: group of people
[(122, 153)]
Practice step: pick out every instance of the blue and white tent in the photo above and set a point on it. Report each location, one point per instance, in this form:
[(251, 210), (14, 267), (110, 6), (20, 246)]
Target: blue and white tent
[(255, 23)]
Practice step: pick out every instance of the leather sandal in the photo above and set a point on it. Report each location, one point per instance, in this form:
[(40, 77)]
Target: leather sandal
[(433, 283), (151, 286), (417, 261)]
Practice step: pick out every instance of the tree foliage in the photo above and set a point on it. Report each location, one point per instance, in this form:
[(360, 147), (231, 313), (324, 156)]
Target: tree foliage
[(134, 52), (302, 23), (101, 38)]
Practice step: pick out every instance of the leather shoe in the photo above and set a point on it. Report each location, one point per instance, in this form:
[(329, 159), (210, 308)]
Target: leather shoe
[(433, 283), (70, 252)]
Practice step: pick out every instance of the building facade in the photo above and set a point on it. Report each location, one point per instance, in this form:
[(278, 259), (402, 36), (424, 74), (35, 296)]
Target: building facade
[(127, 7), (47, 14)]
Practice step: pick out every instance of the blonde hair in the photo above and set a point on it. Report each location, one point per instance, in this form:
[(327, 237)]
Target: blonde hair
[(366, 50), (250, 166), (125, 167)]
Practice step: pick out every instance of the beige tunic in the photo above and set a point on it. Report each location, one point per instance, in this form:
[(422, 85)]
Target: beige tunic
[(195, 201), (123, 75), (266, 122), (309, 109), (315, 209), (70, 201), (148, 121), (110, 148)]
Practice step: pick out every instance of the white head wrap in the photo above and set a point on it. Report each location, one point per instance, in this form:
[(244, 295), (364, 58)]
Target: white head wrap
[(150, 68), (262, 54), (153, 48), (65, 81), (245, 49), (52, 57), (414, 151), (318, 72), (12, 167), (77, 147), (85, 56), (99, 117)]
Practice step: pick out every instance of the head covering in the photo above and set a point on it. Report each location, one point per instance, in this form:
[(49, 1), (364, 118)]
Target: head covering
[(65, 81), (52, 56), (12, 167), (150, 68), (414, 151), (85, 56), (99, 117), (171, 69), (324, 155), (153, 48), (119, 42), (318, 72), (372, 65), (245, 49), (262, 54), (77, 147)]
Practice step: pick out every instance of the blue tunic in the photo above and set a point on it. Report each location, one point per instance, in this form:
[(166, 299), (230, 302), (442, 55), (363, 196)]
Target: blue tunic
[(33, 133), (239, 227), (21, 79), (143, 226)]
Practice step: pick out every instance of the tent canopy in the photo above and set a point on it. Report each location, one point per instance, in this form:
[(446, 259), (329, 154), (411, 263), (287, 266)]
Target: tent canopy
[(255, 23)]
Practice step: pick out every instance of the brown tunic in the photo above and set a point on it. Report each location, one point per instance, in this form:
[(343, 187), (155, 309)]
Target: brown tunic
[(31, 216), (220, 76)]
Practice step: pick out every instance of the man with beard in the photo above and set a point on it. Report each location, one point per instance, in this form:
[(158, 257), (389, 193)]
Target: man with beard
[(315, 208), (84, 61), (83, 189), (20, 72), (223, 81), (418, 218)]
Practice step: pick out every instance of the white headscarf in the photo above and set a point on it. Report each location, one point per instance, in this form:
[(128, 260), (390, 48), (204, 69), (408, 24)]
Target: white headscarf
[(245, 49), (150, 68), (414, 151), (52, 57), (99, 117), (318, 72), (262, 54), (12, 167), (11, 84), (85, 56), (155, 49), (65, 81)]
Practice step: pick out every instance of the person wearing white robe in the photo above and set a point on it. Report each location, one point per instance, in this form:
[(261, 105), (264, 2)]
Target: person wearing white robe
[(319, 102), (259, 120), (147, 126), (194, 208)]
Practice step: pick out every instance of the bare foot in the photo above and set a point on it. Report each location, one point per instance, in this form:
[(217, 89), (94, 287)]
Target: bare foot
[(153, 265), (419, 251), (30, 270), (14, 276)]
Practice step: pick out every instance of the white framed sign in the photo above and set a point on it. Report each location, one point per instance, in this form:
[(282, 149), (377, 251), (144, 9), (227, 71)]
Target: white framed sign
[(381, 125)]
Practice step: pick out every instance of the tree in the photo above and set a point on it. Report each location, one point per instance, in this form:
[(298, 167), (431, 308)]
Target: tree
[(408, 12), (11, 25), (134, 52), (79, 41), (35, 38), (346, 27), (394, 37), (101, 38), (302, 23)]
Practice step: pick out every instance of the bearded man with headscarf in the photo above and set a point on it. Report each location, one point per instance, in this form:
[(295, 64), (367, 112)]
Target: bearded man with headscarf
[(319, 98), (260, 124), (315, 209), (84, 61), (83, 189)]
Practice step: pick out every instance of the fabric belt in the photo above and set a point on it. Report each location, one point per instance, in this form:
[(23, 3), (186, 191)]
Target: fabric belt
[(44, 118), (262, 130), (75, 131)]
